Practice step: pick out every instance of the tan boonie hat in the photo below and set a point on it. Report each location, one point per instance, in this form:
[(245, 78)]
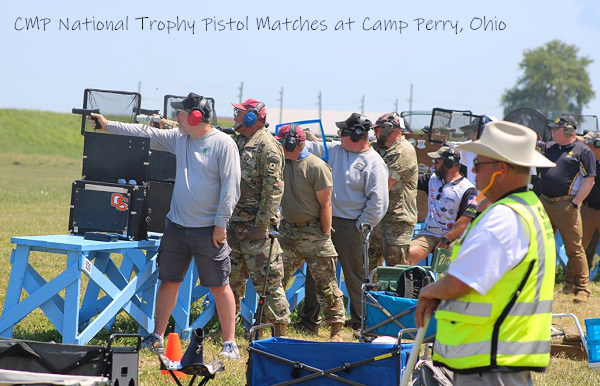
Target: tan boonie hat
[(509, 142), (591, 135), (439, 153)]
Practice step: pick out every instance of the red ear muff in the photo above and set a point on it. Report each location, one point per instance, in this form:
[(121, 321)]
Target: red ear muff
[(194, 117)]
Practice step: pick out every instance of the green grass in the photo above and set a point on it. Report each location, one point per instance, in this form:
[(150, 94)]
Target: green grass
[(40, 157), (39, 132)]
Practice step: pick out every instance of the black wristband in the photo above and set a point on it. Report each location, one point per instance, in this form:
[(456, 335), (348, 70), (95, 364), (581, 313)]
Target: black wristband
[(574, 205), (445, 241)]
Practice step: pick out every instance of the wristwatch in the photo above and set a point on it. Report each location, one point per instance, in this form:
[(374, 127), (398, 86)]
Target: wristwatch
[(445, 241), (574, 205)]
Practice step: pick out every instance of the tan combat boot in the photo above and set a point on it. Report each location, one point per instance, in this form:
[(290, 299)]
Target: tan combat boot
[(336, 332), (279, 328)]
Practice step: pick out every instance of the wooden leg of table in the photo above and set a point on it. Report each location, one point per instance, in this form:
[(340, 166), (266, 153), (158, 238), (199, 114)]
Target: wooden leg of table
[(70, 326), (20, 261)]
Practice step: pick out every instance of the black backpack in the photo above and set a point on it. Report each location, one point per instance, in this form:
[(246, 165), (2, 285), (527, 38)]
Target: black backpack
[(411, 280), (427, 374)]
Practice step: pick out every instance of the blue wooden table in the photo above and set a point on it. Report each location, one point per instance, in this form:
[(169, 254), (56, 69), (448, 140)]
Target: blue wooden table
[(130, 286)]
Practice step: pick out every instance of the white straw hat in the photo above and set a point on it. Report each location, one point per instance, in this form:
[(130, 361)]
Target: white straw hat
[(508, 142)]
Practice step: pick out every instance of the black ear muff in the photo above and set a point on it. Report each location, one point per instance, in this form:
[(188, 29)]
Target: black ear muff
[(291, 138), (359, 128), (450, 159), (593, 141)]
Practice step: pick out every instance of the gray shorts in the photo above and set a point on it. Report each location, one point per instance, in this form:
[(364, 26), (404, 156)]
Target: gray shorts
[(177, 247)]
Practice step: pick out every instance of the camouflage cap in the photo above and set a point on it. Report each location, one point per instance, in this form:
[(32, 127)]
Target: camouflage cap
[(393, 118), (590, 136)]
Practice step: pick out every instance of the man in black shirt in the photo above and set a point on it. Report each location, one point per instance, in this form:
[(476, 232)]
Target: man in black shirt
[(590, 211), (563, 189)]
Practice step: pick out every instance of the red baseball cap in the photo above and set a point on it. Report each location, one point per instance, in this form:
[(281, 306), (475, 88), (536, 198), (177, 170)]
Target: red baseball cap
[(284, 131), (248, 104)]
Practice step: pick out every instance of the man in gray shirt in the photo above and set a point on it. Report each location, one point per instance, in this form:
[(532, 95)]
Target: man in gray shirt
[(207, 188), (360, 195)]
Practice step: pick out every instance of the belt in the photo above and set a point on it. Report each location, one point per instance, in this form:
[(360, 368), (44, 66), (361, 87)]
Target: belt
[(304, 223), (184, 227), (559, 198)]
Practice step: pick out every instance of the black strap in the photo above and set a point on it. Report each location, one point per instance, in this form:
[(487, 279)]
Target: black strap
[(504, 314)]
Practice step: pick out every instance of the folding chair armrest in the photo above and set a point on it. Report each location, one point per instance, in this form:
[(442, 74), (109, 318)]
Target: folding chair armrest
[(370, 286), (405, 331), (254, 330), (581, 334)]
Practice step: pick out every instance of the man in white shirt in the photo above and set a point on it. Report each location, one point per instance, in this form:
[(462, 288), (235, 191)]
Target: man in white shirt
[(494, 307)]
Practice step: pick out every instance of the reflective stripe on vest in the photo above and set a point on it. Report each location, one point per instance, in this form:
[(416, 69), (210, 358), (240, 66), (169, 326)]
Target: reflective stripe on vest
[(504, 348), (541, 247)]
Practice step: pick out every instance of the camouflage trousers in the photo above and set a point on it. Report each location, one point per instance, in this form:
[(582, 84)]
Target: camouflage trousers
[(390, 242), (309, 244), (249, 259)]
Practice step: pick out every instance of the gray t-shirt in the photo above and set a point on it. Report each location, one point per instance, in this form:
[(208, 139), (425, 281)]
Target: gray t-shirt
[(207, 183), (360, 182)]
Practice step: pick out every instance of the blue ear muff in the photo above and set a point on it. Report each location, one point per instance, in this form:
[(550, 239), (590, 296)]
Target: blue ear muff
[(252, 115), (250, 119)]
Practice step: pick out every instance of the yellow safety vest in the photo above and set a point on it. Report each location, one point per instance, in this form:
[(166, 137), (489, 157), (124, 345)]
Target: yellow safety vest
[(509, 327)]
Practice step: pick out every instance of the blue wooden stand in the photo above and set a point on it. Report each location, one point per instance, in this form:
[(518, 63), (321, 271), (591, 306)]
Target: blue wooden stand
[(130, 287), (190, 292)]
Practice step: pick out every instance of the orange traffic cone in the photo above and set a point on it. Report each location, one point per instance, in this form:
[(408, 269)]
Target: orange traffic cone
[(174, 353)]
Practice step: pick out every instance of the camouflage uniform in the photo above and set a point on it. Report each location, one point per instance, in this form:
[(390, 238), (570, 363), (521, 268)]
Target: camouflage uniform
[(308, 243), (391, 237), (258, 209)]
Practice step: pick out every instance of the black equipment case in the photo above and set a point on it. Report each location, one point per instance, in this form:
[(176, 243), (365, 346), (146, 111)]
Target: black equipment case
[(109, 158), (159, 204), (109, 207), (119, 364)]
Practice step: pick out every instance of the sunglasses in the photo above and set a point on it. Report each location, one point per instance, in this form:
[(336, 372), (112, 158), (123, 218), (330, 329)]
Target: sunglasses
[(237, 111), (477, 162), (344, 133), (439, 195)]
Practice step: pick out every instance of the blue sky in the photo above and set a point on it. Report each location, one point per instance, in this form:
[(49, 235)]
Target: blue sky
[(49, 69)]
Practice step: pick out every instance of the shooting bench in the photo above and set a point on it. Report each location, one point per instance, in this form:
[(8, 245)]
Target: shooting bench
[(130, 286)]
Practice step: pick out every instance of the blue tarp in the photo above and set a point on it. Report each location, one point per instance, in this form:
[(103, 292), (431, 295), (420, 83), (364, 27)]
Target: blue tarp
[(325, 356)]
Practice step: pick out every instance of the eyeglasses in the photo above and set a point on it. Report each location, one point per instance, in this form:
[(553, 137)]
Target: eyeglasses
[(344, 132), (176, 112), (436, 160), (477, 162), (236, 111)]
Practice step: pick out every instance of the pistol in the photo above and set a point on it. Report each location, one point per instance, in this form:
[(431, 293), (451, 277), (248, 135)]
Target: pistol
[(87, 112)]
